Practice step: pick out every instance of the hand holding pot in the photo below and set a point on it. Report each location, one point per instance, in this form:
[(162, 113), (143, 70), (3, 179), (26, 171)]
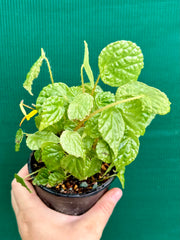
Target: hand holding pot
[(36, 221)]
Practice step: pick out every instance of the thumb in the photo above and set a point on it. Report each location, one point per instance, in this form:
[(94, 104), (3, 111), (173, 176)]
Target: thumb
[(103, 209)]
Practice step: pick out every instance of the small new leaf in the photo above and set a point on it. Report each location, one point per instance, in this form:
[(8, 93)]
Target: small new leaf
[(87, 66), (72, 143), (33, 73), (18, 139), (21, 181)]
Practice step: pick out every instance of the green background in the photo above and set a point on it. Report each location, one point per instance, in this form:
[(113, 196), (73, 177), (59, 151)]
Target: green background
[(150, 207)]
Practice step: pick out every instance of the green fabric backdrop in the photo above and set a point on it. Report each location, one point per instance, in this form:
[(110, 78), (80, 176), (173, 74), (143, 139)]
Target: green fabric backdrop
[(150, 207)]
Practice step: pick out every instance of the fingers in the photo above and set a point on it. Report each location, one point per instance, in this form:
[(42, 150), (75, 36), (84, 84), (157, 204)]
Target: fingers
[(21, 198), (103, 209)]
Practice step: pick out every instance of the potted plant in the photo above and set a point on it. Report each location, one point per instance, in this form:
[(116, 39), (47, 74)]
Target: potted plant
[(87, 136)]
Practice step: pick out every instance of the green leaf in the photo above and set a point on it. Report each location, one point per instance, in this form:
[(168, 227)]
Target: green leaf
[(153, 101), (51, 155), (52, 111), (72, 143), (35, 140), (42, 177), (104, 98), (55, 89), (120, 62), (81, 168), (33, 73), (120, 175), (91, 127), (70, 125), (18, 139), (128, 150), (134, 118), (21, 181), (80, 107), (56, 177), (87, 143), (111, 126), (103, 151), (87, 66), (37, 155), (94, 167)]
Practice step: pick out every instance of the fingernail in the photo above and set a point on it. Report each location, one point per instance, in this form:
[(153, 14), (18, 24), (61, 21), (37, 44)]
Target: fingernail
[(117, 195)]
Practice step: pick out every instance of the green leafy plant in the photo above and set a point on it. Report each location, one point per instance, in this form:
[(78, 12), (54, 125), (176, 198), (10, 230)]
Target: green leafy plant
[(82, 127)]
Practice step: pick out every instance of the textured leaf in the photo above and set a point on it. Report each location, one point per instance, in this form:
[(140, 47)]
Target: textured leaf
[(32, 74), (21, 181), (79, 167), (94, 167), (55, 89), (87, 66), (42, 177), (37, 155), (120, 175), (91, 127), (87, 143), (35, 140), (52, 111), (120, 62), (134, 118), (153, 101), (80, 107), (56, 177), (128, 150), (51, 155), (111, 126), (18, 139), (103, 151), (72, 143), (104, 98)]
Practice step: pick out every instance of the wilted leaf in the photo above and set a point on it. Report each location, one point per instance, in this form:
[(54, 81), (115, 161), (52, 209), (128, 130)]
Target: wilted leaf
[(87, 66), (32, 74), (21, 181), (18, 139)]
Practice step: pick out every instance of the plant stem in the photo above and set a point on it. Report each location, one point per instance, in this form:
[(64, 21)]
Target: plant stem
[(31, 174), (95, 85), (82, 79), (106, 178), (105, 108), (49, 68)]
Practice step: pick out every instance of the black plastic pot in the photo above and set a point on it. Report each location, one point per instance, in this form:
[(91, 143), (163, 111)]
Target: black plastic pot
[(71, 204)]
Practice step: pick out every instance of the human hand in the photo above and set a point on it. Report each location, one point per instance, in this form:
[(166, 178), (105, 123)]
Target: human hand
[(38, 222)]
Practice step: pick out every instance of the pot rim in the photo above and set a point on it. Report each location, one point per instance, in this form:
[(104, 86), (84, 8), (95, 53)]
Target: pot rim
[(49, 190)]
